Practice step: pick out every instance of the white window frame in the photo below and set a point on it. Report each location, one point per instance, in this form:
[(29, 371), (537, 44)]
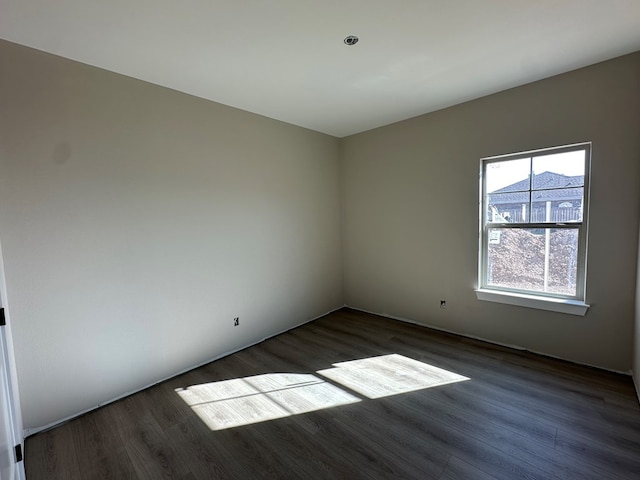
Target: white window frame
[(572, 304)]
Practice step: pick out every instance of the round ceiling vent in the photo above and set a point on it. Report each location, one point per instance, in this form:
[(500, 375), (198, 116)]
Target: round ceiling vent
[(351, 40)]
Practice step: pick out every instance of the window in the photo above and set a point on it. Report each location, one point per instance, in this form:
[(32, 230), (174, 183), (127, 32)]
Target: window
[(533, 219)]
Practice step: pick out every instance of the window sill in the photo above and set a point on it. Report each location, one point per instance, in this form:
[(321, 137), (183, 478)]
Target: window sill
[(572, 307)]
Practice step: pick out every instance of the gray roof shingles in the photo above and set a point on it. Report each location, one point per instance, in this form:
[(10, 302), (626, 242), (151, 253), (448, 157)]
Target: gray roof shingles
[(547, 186)]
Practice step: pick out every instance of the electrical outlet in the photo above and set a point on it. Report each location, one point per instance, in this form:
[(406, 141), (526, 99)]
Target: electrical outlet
[(236, 321), (443, 304)]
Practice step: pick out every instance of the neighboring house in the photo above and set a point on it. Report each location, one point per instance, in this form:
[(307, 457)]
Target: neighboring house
[(556, 195)]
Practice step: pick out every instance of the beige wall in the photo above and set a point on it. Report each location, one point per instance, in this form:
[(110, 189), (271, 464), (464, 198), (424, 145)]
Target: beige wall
[(411, 212), (136, 222)]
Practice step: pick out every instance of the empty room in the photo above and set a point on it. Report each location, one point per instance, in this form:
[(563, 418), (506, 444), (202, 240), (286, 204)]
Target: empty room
[(320, 240)]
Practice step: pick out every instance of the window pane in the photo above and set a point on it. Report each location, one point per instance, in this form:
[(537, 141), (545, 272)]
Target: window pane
[(508, 207), (559, 170), (540, 260), (508, 175), (562, 205)]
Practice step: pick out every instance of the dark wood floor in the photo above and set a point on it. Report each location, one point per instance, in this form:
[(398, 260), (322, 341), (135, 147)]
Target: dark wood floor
[(518, 416)]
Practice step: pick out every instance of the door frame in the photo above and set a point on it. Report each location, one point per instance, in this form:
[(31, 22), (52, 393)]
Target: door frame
[(11, 380)]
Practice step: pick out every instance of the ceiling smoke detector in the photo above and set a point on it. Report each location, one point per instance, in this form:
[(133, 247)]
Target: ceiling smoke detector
[(351, 40)]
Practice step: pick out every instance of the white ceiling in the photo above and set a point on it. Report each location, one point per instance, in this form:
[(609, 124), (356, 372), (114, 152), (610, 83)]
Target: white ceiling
[(286, 59)]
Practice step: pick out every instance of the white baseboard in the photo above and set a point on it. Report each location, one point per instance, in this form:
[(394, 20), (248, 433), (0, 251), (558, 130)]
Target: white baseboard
[(473, 337)]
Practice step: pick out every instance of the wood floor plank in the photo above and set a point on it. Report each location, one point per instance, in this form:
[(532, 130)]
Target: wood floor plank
[(516, 415), (150, 451), (370, 459), (609, 456), (100, 451), (153, 455), (458, 469), (313, 458), (206, 456), (479, 449), (427, 459), (52, 455)]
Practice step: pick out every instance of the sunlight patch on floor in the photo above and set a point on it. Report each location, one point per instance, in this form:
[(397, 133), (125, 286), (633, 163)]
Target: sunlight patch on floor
[(270, 396), (243, 401), (386, 375)]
